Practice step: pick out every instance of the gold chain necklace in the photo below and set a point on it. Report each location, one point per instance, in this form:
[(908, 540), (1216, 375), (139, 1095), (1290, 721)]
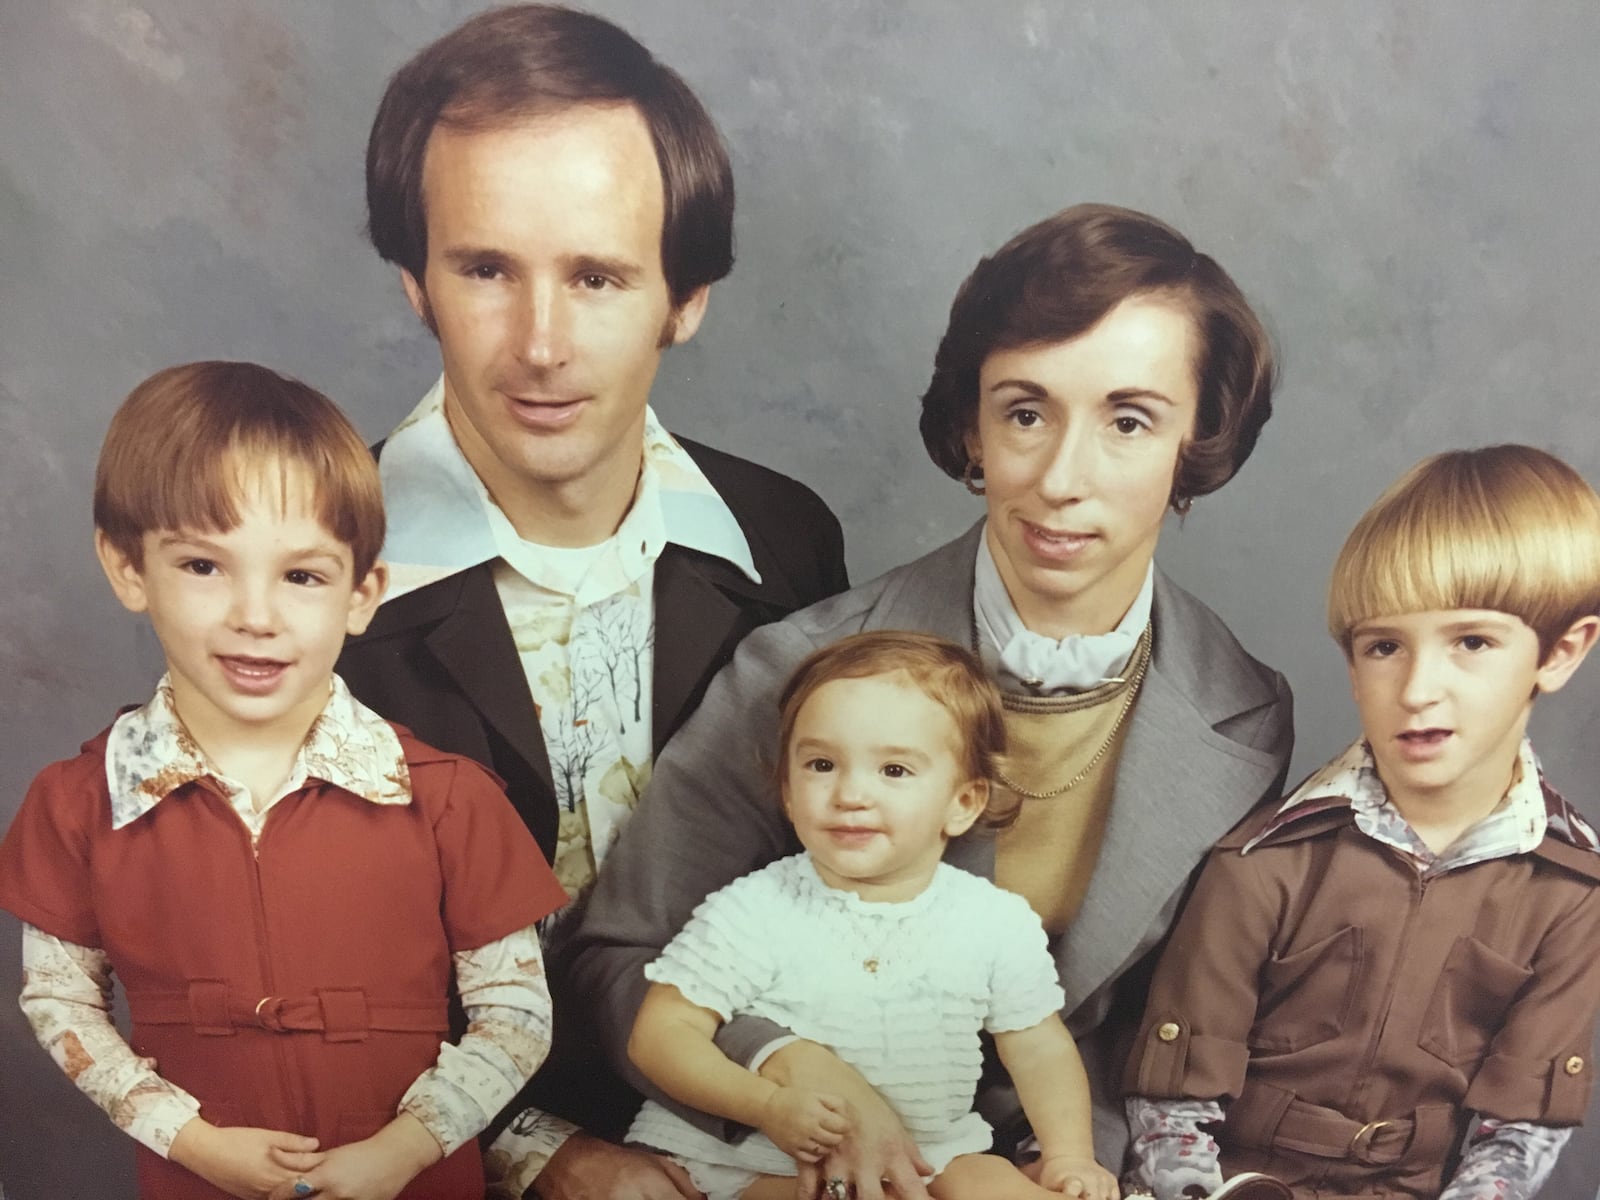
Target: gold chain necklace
[(1143, 652)]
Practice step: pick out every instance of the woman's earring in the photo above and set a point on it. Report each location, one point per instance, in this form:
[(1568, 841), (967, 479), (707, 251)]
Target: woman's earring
[(972, 476), (1182, 504)]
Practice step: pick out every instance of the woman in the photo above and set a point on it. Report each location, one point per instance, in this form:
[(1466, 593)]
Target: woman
[(1096, 371)]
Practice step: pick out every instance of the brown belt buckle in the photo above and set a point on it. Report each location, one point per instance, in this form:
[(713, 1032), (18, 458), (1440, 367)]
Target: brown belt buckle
[(1361, 1143)]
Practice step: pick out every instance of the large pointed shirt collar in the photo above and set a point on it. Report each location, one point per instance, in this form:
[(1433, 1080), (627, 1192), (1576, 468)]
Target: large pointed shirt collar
[(150, 755), (442, 519), (1528, 812)]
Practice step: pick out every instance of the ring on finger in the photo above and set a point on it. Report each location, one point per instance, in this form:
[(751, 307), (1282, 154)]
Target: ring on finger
[(836, 1189), (302, 1188)]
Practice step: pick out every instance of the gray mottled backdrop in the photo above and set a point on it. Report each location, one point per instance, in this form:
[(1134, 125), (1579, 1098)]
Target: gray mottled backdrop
[(1407, 191)]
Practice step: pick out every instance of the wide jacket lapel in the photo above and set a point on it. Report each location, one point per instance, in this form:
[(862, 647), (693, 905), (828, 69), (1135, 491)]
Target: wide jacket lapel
[(703, 608), (473, 644), (1180, 786)]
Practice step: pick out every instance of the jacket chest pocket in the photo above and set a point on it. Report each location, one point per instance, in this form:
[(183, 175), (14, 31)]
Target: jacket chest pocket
[(1304, 997), (1470, 1002)]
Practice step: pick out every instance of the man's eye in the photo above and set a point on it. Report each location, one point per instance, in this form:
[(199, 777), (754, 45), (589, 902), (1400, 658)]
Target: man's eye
[(484, 271), (200, 566), (302, 578), (595, 283), (1475, 642)]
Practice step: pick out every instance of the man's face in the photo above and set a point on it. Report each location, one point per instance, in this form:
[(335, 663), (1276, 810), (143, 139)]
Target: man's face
[(544, 284)]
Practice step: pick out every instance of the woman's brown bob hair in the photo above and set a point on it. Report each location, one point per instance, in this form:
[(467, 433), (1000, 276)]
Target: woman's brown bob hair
[(188, 441), (1509, 528), (949, 675), (529, 60), (1055, 281)]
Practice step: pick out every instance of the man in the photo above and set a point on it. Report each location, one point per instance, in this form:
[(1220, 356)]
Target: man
[(566, 576)]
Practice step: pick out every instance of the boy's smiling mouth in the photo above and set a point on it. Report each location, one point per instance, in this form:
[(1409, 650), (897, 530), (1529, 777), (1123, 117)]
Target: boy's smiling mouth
[(249, 674)]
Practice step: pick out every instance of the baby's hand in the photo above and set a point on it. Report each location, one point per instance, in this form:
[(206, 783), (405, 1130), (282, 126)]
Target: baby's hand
[(239, 1160), (805, 1124), (1073, 1175)]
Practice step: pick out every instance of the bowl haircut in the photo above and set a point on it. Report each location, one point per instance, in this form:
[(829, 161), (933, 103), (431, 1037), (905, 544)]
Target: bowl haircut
[(1506, 528), (189, 442)]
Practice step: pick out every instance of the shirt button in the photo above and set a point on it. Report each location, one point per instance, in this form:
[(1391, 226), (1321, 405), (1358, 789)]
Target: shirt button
[(1574, 1064), (1168, 1031)]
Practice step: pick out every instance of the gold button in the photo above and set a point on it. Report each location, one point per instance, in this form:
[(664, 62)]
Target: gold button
[(1574, 1064), (1168, 1032)]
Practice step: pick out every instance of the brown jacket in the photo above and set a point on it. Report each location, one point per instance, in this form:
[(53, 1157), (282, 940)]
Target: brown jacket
[(1349, 1015)]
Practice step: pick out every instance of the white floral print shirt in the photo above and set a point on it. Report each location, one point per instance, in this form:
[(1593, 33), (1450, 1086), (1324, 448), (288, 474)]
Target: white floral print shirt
[(1506, 1160), (66, 988), (583, 622)]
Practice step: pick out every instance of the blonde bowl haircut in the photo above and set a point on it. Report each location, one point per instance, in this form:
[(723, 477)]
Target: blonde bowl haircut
[(1507, 528), (946, 673), (189, 442)]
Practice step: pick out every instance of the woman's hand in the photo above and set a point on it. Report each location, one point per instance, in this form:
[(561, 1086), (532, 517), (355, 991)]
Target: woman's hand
[(242, 1161), (1073, 1175), (376, 1168), (803, 1123), (877, 1151)]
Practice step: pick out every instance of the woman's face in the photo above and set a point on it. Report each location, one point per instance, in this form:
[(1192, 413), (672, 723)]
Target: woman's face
[(1079, 442)]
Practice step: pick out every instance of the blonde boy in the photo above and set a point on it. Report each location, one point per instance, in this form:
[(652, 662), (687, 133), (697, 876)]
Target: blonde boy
[(286, 885), (1403, 953)]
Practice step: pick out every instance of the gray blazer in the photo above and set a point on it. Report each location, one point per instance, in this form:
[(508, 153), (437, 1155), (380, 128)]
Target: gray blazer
[(1208, 739)]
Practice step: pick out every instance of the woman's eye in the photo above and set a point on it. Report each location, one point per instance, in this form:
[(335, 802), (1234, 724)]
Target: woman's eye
[(1129, 425), (820, 765), (1024, 418)]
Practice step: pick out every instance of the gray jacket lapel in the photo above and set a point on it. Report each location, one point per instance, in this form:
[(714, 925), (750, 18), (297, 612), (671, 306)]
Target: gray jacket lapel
[(1181, 784)]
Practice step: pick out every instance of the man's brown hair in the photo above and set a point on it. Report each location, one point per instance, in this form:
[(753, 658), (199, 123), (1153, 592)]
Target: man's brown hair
[(530, 60), (188, 441)]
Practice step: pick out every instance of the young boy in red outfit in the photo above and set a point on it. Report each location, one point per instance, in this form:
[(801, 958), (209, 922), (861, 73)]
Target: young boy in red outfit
[(1403, 953), (286, 885)]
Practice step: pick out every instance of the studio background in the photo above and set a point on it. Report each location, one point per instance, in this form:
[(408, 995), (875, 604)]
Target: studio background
[(1407, 193)]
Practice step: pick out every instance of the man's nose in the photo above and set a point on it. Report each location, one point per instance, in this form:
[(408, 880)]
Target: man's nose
[(544, 326)]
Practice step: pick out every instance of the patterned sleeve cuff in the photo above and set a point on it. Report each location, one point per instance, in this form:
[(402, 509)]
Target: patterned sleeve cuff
[(503, 991), (522, 1151), (1507, 1160), (1170, 1151), (155, 1121)]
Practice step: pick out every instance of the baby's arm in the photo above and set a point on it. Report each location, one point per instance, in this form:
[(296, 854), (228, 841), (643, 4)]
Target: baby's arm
[(66, 996), (672, 1044), (507, 1003), (1050, 1080)]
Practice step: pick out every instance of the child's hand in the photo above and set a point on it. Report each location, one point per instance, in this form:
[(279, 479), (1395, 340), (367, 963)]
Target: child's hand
[(1073, 1175), (377, 1168), (805, 1124), (240, 1160)]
